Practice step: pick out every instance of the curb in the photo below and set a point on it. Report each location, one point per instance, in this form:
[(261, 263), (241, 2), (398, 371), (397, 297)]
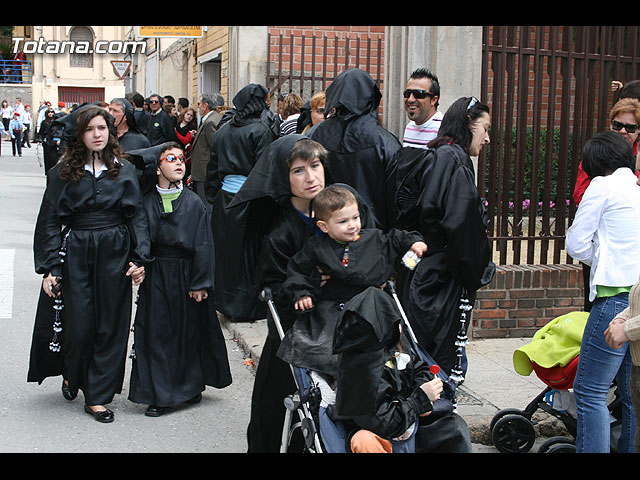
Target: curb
[(477, 412)]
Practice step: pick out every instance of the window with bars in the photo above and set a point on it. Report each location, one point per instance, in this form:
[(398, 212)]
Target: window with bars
[(81, 34)]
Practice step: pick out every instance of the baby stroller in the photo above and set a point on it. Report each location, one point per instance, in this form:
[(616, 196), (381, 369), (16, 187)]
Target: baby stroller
[(512, 430), (319, 433)]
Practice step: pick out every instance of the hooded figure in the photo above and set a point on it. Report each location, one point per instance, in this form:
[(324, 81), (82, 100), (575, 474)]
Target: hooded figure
[(266, 197), (238, 145), (132, 138), (361, 152), (380, 377), (179, 348)]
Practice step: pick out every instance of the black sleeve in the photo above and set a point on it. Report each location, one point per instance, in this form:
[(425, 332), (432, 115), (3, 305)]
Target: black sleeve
[(303, 278), (202, 264), (47, 238), (395, 413)]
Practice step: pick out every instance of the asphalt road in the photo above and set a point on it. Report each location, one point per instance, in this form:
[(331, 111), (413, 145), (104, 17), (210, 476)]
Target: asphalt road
[(35, 418)]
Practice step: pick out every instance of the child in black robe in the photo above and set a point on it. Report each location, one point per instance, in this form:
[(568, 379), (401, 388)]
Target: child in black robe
[(355, 259), (178, 343), (386, 396)]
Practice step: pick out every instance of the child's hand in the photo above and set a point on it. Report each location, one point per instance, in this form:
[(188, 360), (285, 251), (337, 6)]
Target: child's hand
[(433, 389), (198, 295), (136, 273), (303, 303), (419, 248)]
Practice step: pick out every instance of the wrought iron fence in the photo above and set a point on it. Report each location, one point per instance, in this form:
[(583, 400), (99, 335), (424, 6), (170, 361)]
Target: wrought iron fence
[(549, 90), (307, 63), (15, 71)]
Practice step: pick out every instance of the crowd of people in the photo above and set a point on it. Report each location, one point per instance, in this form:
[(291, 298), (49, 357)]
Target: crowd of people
[(202, 208)]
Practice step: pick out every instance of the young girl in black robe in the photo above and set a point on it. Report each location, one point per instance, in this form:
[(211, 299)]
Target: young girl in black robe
[(354, 258), (179, 348), (91, 236)]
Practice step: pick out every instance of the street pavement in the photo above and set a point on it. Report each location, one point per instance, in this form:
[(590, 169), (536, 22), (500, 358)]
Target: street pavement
[(32, 415)]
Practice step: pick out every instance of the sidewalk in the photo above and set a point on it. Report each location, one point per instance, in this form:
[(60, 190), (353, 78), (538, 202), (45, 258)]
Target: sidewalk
[(491, 382)]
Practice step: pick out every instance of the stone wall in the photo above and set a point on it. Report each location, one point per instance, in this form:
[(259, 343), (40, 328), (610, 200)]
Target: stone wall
[(522, 298)]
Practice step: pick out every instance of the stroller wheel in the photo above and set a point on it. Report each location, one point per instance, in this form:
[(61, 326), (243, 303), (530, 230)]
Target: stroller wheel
[(513, 434), (558, 445), (504, 413)]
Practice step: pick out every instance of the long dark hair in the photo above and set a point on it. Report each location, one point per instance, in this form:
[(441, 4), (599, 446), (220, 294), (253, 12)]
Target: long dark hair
[(605, 153), (75, 156), (456, 123)]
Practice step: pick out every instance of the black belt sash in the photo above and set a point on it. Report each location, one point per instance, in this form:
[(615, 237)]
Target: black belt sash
[(168, 251), (95, 220)]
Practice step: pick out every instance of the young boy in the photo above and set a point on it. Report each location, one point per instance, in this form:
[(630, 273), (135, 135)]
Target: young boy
[(178, 343), (382, 388), (355, 259)]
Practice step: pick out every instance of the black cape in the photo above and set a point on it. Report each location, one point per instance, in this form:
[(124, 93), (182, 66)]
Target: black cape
[(361, 152), (93, 347), (373, 394), (133, 140), (437, 196), (178, 343), (283, 231), (238, 146), (373, 259)]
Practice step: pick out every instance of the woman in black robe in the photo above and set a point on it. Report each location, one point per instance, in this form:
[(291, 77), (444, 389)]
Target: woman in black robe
[(438, 197), (361, 152), (91, 236), (179, 348), (280, 211), (46, 137), (238, 144)]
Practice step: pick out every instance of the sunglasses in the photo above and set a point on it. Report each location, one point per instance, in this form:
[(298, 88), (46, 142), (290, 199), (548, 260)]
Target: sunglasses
[(417, 93), (174, 158), (629, 127), (472, 102)]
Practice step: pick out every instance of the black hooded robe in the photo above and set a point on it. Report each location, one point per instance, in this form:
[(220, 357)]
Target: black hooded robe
[(236, 149), (283, 231), (107, 228), (361, 152), (133, 138), (437, 196), (179, 347), (373, 394)]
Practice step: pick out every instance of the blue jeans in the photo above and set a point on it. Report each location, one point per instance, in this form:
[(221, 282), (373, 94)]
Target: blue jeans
[(598, 366)]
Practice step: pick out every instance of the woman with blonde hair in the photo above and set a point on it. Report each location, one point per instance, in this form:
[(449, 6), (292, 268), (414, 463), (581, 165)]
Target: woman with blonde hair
[(312, 112)]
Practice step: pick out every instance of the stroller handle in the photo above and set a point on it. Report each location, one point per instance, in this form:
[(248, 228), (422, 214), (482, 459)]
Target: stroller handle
[(266, 294), (390, 286)]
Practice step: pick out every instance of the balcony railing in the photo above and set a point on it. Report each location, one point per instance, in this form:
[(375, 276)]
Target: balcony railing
[(15, 71)]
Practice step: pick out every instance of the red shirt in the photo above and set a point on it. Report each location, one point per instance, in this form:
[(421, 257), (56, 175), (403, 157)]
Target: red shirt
[(583, 180)]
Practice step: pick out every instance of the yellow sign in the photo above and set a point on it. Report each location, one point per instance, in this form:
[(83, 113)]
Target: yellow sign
[(190, 31)]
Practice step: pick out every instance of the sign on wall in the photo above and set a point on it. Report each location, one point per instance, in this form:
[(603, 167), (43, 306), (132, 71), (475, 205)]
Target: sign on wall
[(190, 31)]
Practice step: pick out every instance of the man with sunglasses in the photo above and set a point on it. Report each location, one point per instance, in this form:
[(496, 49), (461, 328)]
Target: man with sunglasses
[(161, 128), (421, 98)]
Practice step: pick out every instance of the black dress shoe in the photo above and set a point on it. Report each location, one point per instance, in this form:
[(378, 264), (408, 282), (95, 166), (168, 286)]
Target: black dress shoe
[(153, 411), (104, 416), (67, 392), (195, 399)]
